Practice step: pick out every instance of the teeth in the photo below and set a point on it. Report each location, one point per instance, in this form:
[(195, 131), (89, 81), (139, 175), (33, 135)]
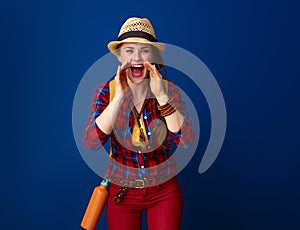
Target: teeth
[(137, 66)]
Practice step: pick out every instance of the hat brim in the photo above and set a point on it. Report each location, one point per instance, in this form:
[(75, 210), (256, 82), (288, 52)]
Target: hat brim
[(112, 46)]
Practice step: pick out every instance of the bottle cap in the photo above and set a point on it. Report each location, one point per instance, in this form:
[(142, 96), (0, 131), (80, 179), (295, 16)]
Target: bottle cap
[(105, 183)]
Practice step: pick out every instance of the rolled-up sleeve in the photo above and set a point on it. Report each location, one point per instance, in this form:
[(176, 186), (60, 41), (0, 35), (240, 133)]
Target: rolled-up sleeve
[(93, 137), (186, 135)]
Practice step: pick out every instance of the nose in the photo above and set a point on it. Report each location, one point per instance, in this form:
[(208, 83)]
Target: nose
[(137, 57)]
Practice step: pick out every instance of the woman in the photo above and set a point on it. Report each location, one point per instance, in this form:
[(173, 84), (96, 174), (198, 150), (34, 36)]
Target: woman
[(141, 114)]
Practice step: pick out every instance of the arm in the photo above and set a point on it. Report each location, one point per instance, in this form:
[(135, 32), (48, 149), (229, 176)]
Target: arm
[(175, 120), (103, 113), (107, 118), (178, 123), (186, 133), (93, 137)]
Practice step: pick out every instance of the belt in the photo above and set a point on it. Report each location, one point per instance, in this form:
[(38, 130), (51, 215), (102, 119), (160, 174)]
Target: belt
[(135, 183), (140, 183)]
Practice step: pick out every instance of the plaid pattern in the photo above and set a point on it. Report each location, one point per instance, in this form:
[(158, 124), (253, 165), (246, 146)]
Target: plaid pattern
[(155, 152)]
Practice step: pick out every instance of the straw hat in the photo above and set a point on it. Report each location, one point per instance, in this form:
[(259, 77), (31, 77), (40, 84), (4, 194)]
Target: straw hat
[(136, 30)]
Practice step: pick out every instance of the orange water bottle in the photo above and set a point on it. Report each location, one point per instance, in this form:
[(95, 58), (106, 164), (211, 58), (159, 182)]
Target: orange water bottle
[(95, 206)]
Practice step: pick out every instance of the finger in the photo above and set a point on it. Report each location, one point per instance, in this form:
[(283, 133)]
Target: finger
[(149, 66), (153, 71), (124, 83), (126, 65), (117, 77), (129, 81), (121, 79)]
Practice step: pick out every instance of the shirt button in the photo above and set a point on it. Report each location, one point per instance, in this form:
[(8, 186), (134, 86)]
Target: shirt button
[(139, 151), (142, 166), (149, 133), (145, 117)]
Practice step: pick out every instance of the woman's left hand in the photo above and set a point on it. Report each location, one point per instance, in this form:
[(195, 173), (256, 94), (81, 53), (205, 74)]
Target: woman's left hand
[(156, 83)]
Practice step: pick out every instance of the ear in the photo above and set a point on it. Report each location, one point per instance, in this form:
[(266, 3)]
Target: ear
[(118, 55)]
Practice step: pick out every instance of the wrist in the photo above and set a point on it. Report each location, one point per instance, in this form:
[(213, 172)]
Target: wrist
[(163, 99), (119, 97), (167, 108)]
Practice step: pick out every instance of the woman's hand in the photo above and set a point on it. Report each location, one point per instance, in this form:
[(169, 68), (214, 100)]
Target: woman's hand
[(156, 83), (175, 120), (106, 120), (121, 79)]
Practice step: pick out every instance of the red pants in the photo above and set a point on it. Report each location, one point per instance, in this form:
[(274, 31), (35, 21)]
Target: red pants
[(163, 205)]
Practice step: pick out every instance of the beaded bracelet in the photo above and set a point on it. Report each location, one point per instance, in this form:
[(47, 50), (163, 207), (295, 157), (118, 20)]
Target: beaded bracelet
[(166, 109)]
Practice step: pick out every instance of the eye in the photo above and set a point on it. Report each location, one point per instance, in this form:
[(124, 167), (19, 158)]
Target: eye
[(129, 51), (145, 50)]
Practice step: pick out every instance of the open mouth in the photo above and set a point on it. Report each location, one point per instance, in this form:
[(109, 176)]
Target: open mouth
[(137, 70)]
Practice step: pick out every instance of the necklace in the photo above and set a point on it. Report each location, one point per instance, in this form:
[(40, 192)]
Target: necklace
[(138, 121)]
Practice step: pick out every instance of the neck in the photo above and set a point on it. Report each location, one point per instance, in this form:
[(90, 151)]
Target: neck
[(139, 90)]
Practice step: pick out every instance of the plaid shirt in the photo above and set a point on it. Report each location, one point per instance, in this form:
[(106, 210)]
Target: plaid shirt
[(150, 159)]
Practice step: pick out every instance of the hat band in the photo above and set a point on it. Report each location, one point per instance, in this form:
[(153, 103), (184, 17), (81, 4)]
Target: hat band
[(139, 34)]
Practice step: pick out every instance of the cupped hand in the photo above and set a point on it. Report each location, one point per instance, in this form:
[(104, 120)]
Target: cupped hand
[(121, 79), (156, 81)]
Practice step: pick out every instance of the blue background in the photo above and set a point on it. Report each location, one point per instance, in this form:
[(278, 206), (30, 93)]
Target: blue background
[(251, 47)]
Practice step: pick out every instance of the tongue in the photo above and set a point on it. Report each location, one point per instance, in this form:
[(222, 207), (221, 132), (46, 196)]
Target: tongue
[(137, 72)]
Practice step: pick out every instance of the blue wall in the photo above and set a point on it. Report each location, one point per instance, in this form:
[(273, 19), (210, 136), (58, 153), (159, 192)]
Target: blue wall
[(251, 47)]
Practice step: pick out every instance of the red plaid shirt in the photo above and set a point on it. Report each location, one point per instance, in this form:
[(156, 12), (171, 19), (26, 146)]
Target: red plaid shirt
[(154, 157)]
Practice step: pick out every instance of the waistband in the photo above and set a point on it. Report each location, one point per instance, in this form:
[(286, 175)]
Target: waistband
[(141, 183)]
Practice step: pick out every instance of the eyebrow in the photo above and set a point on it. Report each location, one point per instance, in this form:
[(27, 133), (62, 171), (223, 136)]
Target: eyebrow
[(130, 47)]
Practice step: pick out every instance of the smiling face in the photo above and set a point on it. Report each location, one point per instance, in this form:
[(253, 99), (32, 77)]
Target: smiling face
[(136, 54)]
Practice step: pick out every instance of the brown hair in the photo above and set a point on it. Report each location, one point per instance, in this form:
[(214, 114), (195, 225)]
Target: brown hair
[(159, 61)]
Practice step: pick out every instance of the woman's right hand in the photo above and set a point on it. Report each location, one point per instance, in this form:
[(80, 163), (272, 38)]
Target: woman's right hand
[(121, 79), (107, 118)]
